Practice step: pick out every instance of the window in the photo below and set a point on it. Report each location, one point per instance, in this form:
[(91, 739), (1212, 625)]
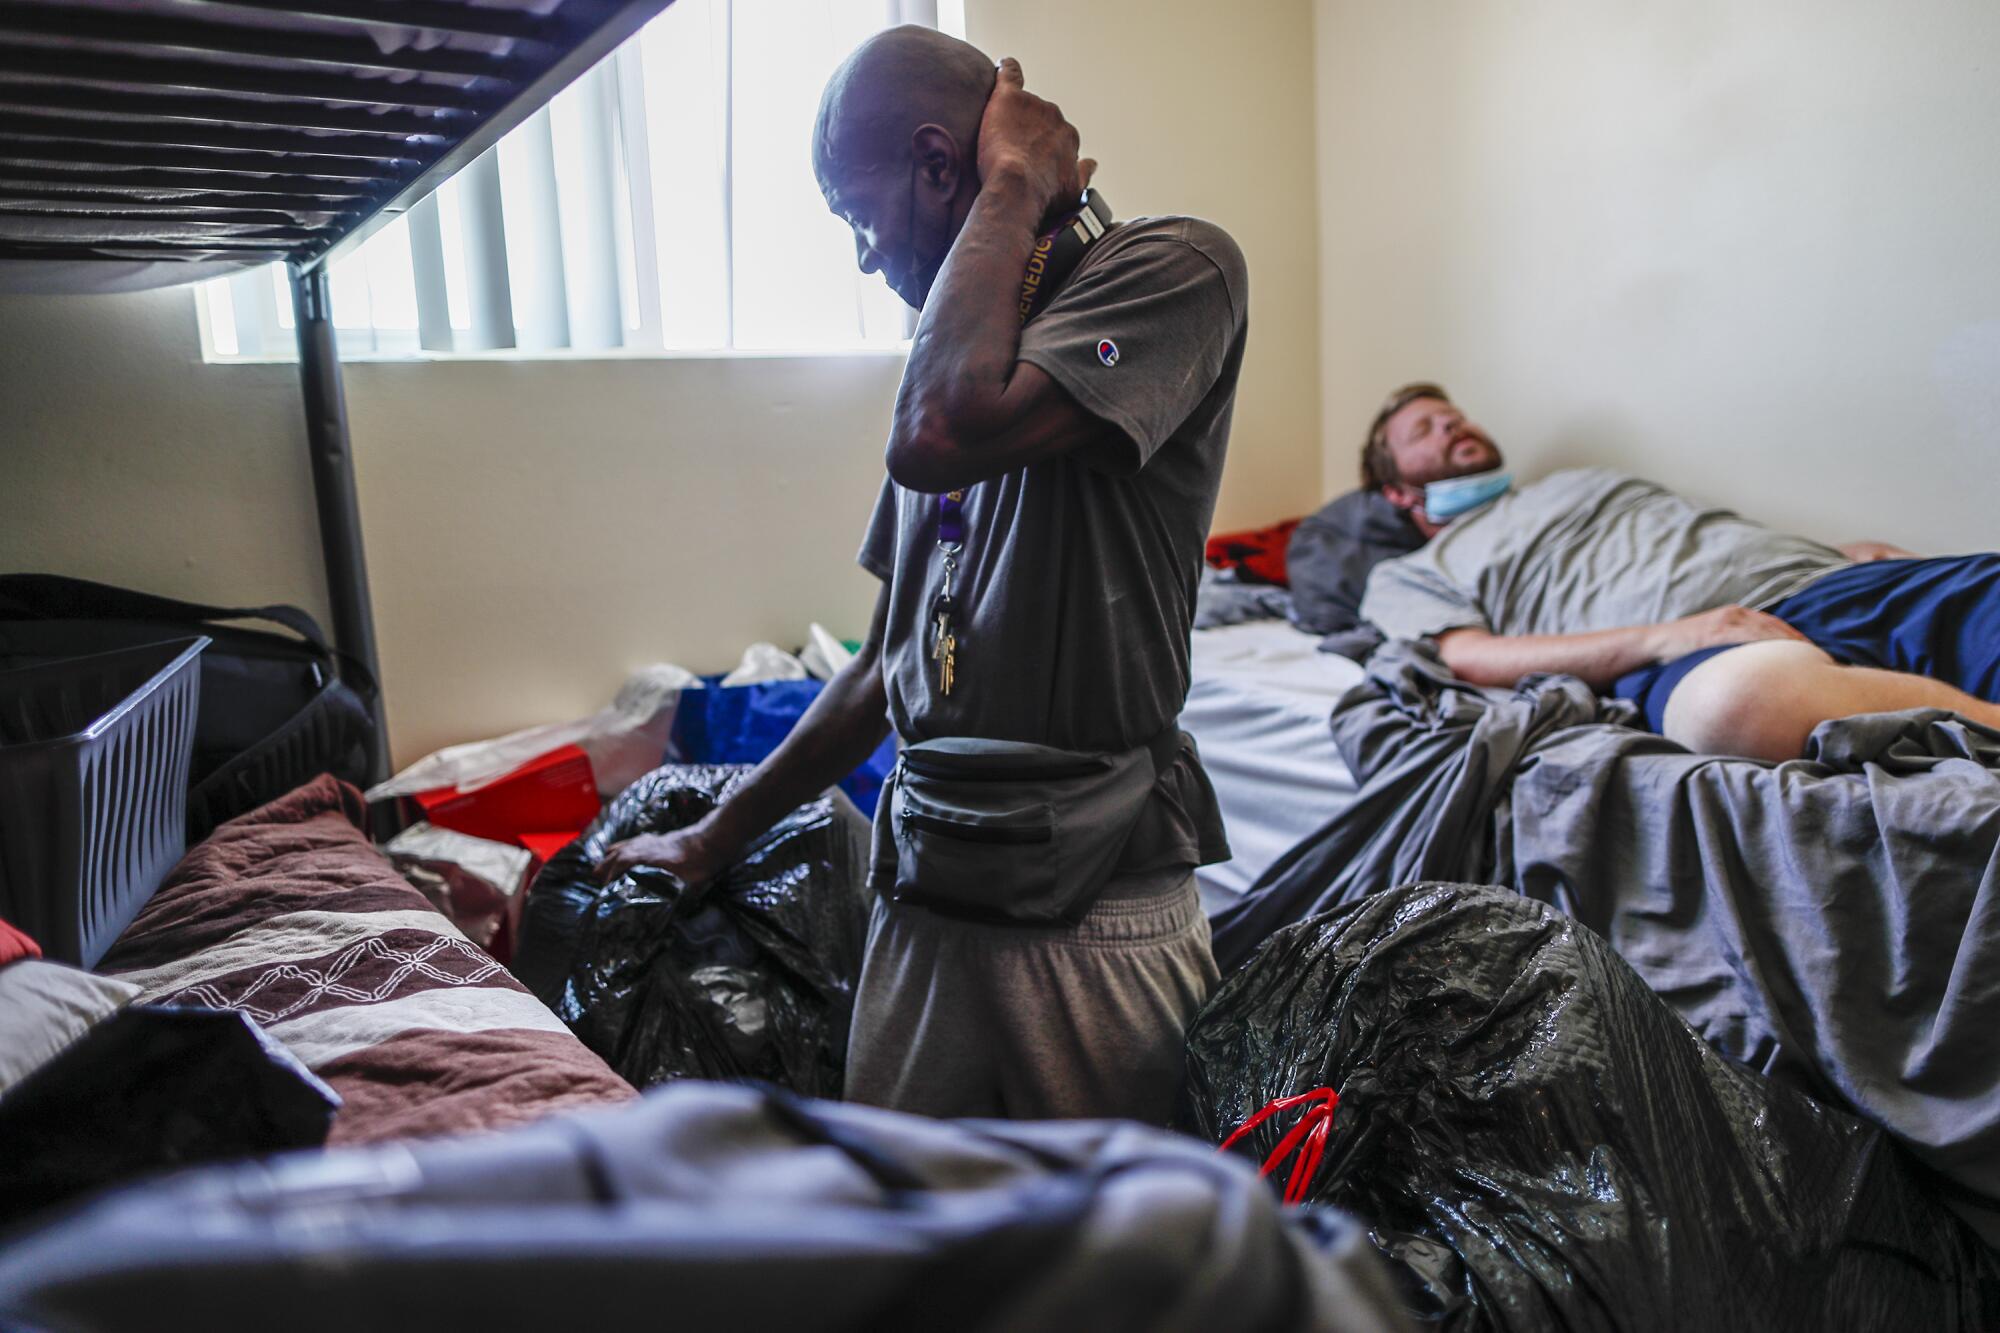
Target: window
[(663, 202)]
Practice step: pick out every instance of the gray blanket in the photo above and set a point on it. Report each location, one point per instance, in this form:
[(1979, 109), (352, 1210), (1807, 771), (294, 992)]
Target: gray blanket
[(713, 1207), (1834, 921)]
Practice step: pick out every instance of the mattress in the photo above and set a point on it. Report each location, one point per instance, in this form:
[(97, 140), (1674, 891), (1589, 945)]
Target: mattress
[(1258, 708)]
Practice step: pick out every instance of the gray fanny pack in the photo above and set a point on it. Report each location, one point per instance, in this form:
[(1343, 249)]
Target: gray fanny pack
[(1008, 831)]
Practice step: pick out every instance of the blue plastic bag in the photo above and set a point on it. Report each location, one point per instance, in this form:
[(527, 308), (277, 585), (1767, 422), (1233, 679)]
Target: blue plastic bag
[(741, 724)]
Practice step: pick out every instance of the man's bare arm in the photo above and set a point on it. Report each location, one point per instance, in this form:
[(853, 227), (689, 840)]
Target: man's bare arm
[(841, 729), (968, 408), (1601, 656), (1864, 552)]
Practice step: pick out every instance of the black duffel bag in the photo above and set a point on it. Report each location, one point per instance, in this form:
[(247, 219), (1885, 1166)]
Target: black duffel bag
[(277, 709)]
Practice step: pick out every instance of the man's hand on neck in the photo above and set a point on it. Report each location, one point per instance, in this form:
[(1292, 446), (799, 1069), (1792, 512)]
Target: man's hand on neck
[(967, 409), (1025, 141)]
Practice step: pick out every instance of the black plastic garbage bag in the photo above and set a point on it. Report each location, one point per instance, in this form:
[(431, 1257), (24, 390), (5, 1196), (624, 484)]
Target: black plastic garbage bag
[(1541, 1143), (752, 980), (151, 1088)]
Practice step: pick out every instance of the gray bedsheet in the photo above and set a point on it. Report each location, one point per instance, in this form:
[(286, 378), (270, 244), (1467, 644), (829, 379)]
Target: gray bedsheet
[(1834, 921)]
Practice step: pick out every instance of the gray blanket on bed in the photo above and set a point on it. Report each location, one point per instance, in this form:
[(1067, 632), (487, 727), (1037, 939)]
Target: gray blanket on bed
[(1834, 921)]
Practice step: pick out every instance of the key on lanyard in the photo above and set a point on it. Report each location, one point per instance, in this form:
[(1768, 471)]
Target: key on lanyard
[(944, 641)]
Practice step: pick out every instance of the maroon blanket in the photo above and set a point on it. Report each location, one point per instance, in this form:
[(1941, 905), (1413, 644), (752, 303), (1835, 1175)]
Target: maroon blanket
[(290, 914)]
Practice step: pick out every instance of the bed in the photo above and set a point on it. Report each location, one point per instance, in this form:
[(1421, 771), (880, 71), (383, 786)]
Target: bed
[(1258, 707), (1830, 921), (290, 915)]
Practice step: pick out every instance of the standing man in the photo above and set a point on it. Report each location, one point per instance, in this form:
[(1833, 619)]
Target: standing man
[(1038, 947)]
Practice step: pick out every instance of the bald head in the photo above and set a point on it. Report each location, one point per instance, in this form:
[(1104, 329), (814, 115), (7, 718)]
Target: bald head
[(893, 84), (895, 147)]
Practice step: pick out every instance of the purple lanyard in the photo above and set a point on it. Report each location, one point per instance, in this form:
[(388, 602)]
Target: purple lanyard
[(951, 520)]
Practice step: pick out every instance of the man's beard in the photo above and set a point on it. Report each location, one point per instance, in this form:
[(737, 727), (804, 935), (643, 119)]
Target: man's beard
[(1484, 459)]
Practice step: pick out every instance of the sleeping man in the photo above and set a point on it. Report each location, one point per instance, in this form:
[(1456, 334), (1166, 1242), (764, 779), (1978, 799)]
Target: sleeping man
[(1734, 639)]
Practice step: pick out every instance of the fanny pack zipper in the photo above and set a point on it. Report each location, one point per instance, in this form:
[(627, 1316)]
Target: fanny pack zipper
[(1076, 768), (951, 828)]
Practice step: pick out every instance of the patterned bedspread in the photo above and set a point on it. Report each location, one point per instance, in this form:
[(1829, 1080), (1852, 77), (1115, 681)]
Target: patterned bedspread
[(290, 914)]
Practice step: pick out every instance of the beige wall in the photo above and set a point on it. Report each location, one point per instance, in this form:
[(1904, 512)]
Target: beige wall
[(537, 528), (1191, 107), (1746, 249)]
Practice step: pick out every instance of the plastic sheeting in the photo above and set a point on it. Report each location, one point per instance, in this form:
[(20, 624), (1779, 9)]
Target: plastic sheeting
[(1541, 1144), (824, 656), (753, 978), (624, 740), (765, 662), (741, 724)]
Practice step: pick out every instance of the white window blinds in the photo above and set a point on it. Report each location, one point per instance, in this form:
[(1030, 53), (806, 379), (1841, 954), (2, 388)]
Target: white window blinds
[(663, 202)]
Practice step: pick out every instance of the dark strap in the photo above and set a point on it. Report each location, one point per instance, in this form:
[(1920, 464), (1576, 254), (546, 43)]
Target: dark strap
[(55, 596), (59, 597), (1057, 254)]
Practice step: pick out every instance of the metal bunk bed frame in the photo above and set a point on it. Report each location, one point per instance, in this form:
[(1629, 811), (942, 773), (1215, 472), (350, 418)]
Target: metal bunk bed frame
[(198, 134)]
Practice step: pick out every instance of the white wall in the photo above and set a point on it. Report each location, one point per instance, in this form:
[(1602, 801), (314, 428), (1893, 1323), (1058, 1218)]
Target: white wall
[(1746, 249), (1194, 107), (536, 528)]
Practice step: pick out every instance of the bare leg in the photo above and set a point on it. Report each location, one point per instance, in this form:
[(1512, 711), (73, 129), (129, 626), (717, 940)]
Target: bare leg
[(1763, 700)]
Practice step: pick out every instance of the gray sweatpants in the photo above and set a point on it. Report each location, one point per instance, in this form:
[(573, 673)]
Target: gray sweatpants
[(961, 1018)]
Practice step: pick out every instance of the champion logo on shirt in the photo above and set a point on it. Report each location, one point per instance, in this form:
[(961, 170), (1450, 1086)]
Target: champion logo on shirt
[(1107, 352)]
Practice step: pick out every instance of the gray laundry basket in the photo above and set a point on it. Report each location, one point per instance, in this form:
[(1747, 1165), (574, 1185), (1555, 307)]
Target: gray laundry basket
[(94, 755)]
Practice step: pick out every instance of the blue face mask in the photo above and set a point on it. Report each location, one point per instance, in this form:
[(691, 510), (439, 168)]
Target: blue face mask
[(1453, 496)]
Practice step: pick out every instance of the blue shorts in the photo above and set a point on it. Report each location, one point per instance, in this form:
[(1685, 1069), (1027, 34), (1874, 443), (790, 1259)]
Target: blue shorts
[(1938, 618)]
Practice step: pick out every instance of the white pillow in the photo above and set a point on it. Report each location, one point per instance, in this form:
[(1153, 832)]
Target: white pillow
[(44, 1007)]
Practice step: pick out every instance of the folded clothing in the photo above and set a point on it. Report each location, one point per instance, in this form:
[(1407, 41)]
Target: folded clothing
[(95, 1090), (148, 1089)]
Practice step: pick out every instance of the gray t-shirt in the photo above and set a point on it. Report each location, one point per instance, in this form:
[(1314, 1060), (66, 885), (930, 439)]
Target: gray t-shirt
[(1075, 591), (1586, 550)]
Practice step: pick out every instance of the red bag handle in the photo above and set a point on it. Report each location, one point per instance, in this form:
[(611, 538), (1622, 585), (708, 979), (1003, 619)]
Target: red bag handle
[(1308, 1136)]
